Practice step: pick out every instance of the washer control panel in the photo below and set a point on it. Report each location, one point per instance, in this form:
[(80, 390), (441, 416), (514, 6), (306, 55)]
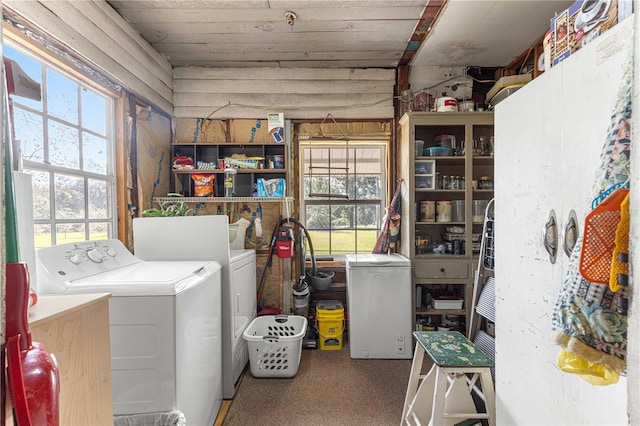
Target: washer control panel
[(59, 265)]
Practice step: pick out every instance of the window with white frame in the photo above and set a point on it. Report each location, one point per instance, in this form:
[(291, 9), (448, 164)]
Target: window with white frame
[(343, 194), (66, 143)]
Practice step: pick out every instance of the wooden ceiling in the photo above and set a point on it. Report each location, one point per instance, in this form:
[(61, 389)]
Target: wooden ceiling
[(339, 33), (255, 33)]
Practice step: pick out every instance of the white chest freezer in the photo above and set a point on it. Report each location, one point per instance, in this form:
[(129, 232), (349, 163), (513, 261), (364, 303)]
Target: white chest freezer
[(379, 306)]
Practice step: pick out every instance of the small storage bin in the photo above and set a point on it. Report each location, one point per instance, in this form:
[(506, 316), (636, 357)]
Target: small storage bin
[(442, 303), (437, 151), (275, 345), (425, 182)]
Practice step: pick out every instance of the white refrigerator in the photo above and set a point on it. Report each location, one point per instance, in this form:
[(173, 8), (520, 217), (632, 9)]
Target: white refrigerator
[(379, 306), (549, 136)]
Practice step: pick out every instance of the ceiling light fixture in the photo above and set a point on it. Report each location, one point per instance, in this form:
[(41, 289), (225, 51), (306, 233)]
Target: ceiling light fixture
[(290, 17)]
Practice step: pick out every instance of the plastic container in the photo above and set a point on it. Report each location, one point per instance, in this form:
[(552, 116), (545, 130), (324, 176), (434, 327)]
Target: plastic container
[(422, 101), (443, 211), (301, 297), (427, 211), (322, 279), (169, 418), (425, 182), (330, 316), (437, 151), (457, 210), (445, 140), (419, 147), (230, 182), (275, 345), (447, 303), (478, 209)]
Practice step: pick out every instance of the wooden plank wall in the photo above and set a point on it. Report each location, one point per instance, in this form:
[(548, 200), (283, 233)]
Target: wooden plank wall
[(96, 32), (301, 93)]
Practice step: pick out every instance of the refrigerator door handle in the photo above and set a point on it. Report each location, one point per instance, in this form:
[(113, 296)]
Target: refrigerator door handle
[(550, 236)]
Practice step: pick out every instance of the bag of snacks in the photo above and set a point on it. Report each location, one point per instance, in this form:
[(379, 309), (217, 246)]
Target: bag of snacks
[(203, 184)]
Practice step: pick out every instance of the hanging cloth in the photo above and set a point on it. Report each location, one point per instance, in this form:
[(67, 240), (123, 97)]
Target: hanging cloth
[(390, 232), (589, 320)]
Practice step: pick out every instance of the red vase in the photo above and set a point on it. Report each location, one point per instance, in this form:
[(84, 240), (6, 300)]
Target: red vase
[(34, 382)]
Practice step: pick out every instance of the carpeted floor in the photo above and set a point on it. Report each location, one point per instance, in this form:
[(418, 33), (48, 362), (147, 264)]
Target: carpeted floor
[(330, 388)]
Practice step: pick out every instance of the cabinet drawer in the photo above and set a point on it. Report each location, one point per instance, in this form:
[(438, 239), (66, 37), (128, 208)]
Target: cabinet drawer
[(441, 269)]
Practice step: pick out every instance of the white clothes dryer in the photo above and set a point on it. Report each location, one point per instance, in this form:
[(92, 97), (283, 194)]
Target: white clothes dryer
[(164, 320), (206, 238)]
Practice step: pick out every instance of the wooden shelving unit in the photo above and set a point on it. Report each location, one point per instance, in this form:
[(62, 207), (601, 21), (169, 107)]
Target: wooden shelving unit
[(213, 154), (450, 273)]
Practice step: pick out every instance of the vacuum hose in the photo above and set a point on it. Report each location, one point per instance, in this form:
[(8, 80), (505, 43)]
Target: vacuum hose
[(297, 222)]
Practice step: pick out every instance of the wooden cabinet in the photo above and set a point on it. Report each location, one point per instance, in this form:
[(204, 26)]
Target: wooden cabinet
[(75, 329), (251, 160), (443, 208)]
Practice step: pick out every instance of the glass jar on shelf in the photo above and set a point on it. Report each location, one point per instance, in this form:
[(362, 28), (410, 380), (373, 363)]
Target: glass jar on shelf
[(446, 182), (485, 182)]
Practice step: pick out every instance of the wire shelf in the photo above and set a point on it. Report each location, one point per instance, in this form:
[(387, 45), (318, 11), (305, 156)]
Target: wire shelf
[(223, 199)]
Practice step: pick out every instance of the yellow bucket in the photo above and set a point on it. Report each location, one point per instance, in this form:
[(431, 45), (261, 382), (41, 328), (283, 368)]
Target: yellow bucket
[(330, 316)]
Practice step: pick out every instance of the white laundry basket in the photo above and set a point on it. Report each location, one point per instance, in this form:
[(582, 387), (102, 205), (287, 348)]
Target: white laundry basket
[(275, 345)]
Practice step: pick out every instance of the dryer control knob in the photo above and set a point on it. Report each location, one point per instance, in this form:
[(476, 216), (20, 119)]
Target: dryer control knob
[(111, 252), (94, 256), (75, 259)]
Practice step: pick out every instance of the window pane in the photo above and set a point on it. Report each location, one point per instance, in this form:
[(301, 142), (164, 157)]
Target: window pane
[(366, 240), (70, 233), (320, 241), (99, 231), (41, 195), (367, 187), (317, 217), (64, 148), (28, 130), (94, 112), (94, 153), (43, 236), (32, 68), (353, 227), (343, 242), (368, 162), (343, 217), (316, 158), (338, 185), (98, 199), (62, 96), (69, 197), (368, 216), (71, 128), (316, 185)]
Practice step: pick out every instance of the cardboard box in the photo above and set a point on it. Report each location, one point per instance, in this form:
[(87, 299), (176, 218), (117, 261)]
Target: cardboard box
[(582, 22)]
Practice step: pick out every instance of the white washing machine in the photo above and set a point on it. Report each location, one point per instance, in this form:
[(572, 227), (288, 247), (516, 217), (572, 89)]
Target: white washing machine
[(164, 321), (379, 306), (207, 238)]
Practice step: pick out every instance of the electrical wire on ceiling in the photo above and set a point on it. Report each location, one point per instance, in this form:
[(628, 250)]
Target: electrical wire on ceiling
[(340, 107), (323, 108), (456, 78)]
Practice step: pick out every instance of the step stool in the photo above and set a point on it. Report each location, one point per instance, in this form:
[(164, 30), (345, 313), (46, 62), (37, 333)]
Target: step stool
[(445, 395)]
